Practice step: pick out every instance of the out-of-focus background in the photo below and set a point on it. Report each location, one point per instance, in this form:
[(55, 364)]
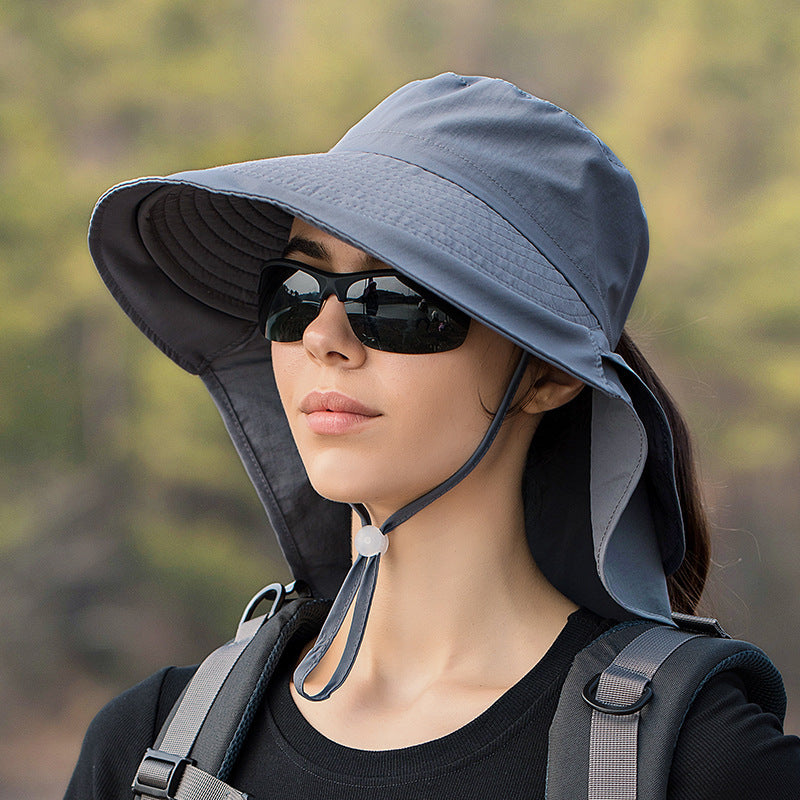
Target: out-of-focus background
[(130, 535)]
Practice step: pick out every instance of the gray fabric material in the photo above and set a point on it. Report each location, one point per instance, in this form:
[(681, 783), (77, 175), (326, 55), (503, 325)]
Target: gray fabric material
[(499, 201), (613, 743), (314, 533), (675, 685), (221, 727), (179, 733), (206, 683), (448, 126), (568, 774), (198, 785)]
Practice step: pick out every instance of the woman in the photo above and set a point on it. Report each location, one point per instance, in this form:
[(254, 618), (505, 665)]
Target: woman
[(444, 293)]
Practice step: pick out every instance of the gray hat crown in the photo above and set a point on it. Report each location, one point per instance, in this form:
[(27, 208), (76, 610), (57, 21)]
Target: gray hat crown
[(531, 162)]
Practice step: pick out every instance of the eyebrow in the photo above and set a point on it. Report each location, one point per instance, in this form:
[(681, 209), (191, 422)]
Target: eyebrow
[(314, 249)]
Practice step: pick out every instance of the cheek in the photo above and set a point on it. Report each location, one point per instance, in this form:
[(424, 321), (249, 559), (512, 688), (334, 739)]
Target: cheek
[(433, 420), (439, 402), (286, 360)]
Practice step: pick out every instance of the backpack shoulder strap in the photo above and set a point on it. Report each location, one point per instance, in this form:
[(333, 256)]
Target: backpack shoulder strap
[(203, 734), (625, 699)]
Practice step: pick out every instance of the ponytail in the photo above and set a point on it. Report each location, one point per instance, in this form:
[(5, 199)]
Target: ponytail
[(686, 583)]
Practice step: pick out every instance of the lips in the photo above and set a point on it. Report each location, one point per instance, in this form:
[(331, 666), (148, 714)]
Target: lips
[(333, 413)]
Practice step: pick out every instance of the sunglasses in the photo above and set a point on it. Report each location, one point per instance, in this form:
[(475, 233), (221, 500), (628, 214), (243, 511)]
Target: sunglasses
[(386, 311)]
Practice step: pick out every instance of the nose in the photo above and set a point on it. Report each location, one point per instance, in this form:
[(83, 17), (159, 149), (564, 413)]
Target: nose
[(329, 338)]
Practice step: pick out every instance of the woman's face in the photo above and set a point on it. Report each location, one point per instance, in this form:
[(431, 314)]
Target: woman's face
[(376, 427)]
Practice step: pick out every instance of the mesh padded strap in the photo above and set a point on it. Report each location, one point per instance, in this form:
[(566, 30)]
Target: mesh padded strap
[(165, 769), (156, 776), (202, 690), (613, 743), (675, 685)]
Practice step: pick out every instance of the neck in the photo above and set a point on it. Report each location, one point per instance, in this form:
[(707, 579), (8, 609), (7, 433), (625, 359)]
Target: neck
[(456, 588)]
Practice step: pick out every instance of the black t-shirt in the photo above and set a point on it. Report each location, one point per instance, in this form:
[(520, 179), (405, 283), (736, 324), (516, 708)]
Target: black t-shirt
[(727, 748)]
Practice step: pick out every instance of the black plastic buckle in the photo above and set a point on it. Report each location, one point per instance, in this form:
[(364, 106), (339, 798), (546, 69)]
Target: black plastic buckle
[(590, 696), (707, 625), (166, 786)]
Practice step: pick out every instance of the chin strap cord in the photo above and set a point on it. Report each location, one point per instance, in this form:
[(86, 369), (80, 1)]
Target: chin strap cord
[(371, 542)]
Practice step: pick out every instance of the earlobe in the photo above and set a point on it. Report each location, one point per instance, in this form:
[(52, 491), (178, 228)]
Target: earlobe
[(551, 388)]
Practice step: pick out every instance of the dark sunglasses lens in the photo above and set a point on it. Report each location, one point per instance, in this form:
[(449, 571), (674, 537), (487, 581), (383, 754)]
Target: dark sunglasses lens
[(384, 312), (387, 314), (289, 303)]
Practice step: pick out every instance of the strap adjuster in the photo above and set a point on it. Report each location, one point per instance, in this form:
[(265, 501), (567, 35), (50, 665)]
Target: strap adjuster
[(159, 774)]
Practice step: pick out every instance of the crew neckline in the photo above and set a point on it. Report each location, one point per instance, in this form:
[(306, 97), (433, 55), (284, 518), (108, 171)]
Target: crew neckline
[(304, 744)]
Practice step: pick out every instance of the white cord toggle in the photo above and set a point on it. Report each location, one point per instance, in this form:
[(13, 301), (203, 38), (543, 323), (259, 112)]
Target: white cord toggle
[(371, 541)]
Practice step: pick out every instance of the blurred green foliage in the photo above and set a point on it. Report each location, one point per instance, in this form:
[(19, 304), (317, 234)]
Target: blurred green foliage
[(122, 492)]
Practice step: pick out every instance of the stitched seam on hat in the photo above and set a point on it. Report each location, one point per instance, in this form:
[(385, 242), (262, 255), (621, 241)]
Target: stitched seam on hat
[(228, 199), (194, 278), (584, 317), (598, 357), (193, 196), (502, 277), (493, 180), (561, 284)]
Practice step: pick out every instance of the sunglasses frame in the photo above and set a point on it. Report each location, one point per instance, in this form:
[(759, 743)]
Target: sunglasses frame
[(337, 284)]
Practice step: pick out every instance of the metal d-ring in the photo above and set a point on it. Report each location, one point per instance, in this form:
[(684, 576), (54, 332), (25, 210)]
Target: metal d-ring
[(280, 592), (590, 696)]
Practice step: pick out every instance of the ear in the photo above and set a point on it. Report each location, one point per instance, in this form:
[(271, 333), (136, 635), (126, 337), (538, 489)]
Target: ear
[(551, 387)]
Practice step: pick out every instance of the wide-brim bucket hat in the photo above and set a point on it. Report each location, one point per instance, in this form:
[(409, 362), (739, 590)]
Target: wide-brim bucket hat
[(501, 202)]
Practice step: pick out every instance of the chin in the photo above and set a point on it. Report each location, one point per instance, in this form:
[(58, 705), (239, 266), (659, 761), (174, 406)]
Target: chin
[(375, 488), (340, 475), (345, 489)]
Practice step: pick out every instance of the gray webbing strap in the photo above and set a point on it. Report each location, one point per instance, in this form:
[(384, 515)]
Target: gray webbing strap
[(203, 688), (198, 785), (159, 775), (623, 689)]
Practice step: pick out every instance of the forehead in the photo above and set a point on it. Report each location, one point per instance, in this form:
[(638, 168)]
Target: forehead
[(322, 249)]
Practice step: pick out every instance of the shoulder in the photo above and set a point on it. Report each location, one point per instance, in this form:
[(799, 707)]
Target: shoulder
[(729, 747), (118, 736)]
